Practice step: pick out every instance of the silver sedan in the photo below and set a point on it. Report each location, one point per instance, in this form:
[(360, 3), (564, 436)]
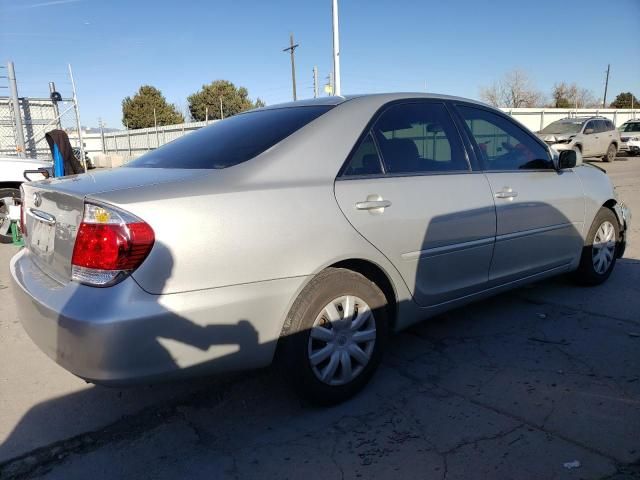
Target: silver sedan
[(305, 232)]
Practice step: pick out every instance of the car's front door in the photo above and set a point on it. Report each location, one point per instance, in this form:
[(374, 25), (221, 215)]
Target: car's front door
[(409, 190), (540, 211), (590, 139)]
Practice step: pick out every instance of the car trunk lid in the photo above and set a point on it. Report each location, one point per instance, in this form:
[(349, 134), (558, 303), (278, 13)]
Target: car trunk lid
[(53, 210)]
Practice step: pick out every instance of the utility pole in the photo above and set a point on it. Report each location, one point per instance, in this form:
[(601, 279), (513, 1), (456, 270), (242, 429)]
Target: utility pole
[(336, 49), (291, 49), (13, 87), (315, 82), (606, 85)]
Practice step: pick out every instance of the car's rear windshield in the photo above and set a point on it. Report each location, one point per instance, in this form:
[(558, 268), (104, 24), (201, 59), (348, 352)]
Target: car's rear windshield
[(562, 127), (231, 141)]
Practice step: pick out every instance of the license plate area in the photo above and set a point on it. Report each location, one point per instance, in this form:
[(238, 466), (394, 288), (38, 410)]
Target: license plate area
[(42, 233)]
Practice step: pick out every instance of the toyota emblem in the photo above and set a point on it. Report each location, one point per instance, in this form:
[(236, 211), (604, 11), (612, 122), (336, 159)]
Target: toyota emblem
[(37, 199)]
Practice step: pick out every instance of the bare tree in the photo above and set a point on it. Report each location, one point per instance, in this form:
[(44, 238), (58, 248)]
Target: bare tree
[(566, 95), (514, 90)]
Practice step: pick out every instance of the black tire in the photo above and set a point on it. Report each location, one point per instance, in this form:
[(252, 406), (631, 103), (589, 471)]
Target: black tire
[(294, 350), (612, 151), (4, 211), (587, 273)]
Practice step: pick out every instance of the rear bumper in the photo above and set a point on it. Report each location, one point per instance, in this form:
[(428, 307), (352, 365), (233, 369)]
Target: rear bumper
[(122, 334)]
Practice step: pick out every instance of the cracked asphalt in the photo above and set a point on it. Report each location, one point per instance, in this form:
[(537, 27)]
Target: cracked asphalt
[(515, 387)]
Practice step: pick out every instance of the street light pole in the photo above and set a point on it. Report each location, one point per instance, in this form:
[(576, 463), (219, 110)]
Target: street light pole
[(336, 49)]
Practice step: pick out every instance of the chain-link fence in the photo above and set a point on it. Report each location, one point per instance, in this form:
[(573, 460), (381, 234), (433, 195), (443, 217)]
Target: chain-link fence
[(25, 119), (39, 116)]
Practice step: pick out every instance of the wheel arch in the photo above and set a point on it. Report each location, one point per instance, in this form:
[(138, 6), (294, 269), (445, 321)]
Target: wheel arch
[(377, 275), (367, 268)]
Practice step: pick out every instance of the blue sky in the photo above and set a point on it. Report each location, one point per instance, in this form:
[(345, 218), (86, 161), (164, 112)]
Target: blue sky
[(456, 46)]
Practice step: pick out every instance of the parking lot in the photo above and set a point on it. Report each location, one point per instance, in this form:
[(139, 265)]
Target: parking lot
[(540, 383)]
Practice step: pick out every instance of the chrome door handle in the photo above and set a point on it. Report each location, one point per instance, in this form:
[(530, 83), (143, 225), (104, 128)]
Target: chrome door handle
[(373, 204), (507, 192)]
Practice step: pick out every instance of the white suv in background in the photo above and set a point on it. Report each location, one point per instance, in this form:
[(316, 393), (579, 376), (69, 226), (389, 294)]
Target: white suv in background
[(593, 136), (630, 136)]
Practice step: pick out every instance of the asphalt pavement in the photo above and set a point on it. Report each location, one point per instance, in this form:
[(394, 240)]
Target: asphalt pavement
[(542, 382)]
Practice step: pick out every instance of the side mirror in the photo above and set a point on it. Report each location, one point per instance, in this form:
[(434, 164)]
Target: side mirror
[(588, 131), (569, 159)]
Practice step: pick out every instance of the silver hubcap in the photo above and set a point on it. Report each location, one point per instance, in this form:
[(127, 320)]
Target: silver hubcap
[(604, 246), (342, 340)]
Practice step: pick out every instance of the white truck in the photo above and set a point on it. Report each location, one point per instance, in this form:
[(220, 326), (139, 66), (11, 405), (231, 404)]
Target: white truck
[(12, 171)]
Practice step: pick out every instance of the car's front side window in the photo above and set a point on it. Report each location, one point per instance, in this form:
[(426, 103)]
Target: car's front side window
[(502, 144), (419, 138), (591, 125)]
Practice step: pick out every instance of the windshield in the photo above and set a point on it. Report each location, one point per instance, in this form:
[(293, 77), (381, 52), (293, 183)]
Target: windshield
[(630, 127), (231, 141), (562, 127)]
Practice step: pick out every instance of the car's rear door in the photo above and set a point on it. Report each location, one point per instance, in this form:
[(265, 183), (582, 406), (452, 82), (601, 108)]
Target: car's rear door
[(609, 134), (408, 188), (540, 210)]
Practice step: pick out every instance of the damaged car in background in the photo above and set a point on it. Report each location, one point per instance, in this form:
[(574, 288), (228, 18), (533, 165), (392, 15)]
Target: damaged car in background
[(591, 136)]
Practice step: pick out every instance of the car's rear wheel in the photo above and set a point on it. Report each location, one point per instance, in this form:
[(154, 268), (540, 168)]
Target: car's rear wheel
[(611, 153), (599, 252), (334, 336), (6, 198)]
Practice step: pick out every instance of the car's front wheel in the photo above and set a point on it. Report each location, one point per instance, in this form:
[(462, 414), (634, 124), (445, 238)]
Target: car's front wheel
[(334, 336), (612, 151), (599, 252)]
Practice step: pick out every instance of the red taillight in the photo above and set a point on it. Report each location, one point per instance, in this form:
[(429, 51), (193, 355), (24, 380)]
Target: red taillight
[(112, 247), (104, 252)]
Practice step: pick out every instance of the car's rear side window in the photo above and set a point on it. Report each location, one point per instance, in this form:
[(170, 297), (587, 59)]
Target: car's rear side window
[(364, 160), (419, 138), (231, 141)]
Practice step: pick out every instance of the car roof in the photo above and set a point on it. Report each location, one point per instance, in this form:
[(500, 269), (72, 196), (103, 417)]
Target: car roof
[(380, 98)]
